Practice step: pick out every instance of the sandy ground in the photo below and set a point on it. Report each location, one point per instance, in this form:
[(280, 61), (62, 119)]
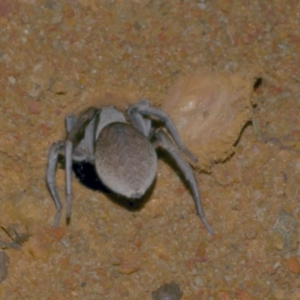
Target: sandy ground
[(57, 57)]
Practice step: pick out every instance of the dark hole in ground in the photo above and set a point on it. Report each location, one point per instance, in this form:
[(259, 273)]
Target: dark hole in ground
[(257, 83)]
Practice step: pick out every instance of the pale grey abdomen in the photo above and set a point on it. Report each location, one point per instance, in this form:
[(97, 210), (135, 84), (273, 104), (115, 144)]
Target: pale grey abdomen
[(125, 160)]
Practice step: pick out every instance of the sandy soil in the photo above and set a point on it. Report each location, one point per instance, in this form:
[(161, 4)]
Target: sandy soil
[(57, 57)]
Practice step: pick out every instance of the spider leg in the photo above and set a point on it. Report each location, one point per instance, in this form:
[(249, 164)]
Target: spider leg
[(144, 109), (89, 141), (70, 121), (85, 148), (137, 120), (79, 151), (72, 140), (56, 149), (166, 143)]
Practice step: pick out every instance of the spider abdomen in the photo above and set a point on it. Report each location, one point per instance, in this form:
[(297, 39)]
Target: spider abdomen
[(125, 160)]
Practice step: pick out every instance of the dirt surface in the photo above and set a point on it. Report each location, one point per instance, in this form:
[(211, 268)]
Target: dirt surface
[(57, 57)]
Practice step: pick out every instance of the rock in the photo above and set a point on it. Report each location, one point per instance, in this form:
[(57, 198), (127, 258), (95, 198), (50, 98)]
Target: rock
[(209, 111), (293, 265), (169, 291)]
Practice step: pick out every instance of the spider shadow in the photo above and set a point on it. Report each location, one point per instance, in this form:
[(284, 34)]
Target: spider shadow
[(132, 204), (87, 175)]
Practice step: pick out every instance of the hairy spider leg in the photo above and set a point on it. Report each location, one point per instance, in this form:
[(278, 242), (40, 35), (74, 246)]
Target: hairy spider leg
[(143, 108), (78, 147), (166, 143), (56, 149), (84, 128)]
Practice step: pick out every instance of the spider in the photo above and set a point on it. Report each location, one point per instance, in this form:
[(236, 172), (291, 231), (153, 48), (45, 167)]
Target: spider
[(122, 150)]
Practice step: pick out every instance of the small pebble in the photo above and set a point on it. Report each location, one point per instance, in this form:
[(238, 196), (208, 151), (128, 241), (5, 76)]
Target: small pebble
[(202, 6), (170, 291), (4, 260), (11, 79), (198, 281), (293, 265)]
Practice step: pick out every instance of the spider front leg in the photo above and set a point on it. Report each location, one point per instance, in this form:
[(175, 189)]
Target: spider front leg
[(56, 149), (84, 126), (77, 147), (166, 143)]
